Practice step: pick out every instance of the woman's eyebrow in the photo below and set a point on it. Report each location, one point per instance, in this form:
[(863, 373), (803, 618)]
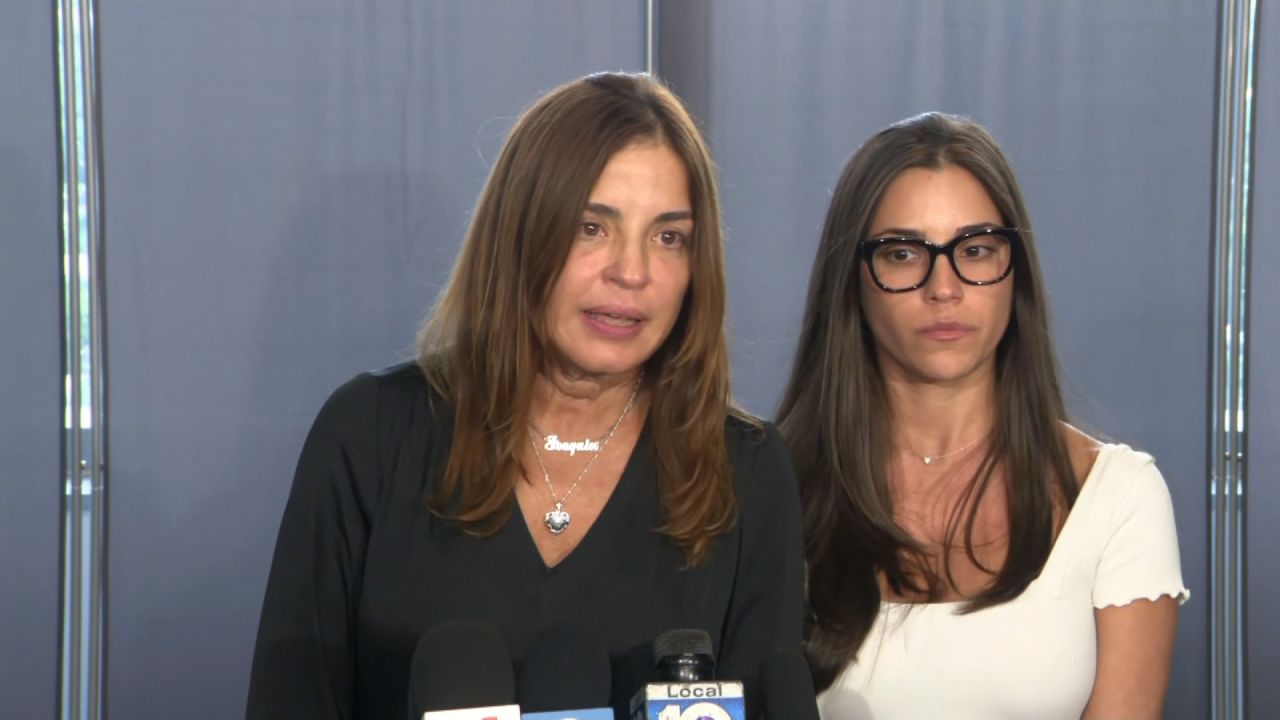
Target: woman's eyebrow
[(674, 215), (608, 211), (912, 232), (976, 226), (614, 213), (905, 232)]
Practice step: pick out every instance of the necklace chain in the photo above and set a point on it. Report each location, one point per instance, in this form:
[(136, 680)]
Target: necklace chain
[(557, 519), (931, 459)]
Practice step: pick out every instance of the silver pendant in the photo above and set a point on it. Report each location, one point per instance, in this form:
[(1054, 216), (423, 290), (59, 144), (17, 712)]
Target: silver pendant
[(557, 520), (927, 460)]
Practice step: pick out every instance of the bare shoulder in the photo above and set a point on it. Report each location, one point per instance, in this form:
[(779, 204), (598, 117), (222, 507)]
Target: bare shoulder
[(1083, 449)]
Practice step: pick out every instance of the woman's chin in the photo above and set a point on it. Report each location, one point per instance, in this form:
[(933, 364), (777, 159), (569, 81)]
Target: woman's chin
[(600, 365), (946, 373)]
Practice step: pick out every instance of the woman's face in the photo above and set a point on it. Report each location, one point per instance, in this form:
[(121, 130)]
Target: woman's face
[(624, 282), (946, 332)]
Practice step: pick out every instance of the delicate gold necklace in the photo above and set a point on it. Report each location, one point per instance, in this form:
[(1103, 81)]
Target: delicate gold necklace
[(931, 459), (557, 519)]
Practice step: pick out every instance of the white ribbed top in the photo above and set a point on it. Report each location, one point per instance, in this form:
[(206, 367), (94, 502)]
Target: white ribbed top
[(1034, 657)]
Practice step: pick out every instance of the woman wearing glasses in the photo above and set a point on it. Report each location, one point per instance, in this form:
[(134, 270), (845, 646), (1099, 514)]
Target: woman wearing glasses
[(970, 553)]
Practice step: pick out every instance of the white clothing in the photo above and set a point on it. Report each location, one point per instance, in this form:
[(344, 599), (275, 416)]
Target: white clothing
[(1035, 656)]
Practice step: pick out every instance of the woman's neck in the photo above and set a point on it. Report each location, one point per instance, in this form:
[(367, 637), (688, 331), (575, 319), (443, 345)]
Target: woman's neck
[(576, 405), (933, 419)]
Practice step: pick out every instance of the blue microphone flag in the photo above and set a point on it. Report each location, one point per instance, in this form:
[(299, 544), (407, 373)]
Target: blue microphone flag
[(590, 714)]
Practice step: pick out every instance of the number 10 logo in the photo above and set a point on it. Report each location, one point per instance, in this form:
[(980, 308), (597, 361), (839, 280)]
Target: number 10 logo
[(696, 711)]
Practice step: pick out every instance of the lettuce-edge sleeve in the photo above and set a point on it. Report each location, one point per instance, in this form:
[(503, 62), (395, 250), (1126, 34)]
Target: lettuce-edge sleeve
[(1140, 559)]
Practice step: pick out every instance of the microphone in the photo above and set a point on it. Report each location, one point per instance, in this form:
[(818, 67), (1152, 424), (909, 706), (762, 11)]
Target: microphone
[(686, 687), (461, 670), (566, 666), (786, 687)]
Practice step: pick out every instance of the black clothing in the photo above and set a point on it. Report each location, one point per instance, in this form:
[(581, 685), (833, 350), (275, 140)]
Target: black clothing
[(362, 570)]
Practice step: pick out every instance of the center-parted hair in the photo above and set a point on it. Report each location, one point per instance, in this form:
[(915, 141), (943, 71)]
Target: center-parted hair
[(486, 338), (835, 415)]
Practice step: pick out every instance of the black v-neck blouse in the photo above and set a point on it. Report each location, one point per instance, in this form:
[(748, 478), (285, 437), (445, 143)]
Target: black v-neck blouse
[(361, 570)]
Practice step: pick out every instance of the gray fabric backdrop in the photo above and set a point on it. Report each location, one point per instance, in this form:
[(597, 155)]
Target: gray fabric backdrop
[(1263, 463), (30, 362), (287, 182)]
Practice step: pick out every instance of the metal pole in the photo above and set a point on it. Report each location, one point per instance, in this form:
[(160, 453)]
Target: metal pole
[(84, 477), (651, 11), (71, 591), (1234, 146), (92, 153)]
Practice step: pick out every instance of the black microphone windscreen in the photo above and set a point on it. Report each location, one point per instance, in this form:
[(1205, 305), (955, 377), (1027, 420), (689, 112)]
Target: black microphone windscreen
[(786, 687), (684, 656), (565, 668), (460, 664), (682, 642)]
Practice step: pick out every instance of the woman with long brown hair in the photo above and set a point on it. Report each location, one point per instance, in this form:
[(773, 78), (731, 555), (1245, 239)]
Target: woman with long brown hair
[(565, 446), (970, 554)]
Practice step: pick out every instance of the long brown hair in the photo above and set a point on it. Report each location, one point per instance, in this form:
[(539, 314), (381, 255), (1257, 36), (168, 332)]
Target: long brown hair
[(485, 339), (834, 409)]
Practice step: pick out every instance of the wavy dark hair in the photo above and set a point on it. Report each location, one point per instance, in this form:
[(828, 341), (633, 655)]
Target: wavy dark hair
[(486, 339), (833, 411)]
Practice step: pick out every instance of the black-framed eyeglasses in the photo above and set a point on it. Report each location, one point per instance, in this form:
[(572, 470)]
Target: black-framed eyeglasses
[(978, 257)]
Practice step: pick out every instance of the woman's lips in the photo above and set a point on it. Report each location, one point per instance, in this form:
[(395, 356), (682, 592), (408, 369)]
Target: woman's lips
[(614, 322), (945, 331)]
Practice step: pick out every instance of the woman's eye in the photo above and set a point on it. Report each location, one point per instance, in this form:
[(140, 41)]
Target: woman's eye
[(899, 254), (671, 239), (591, 229)]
